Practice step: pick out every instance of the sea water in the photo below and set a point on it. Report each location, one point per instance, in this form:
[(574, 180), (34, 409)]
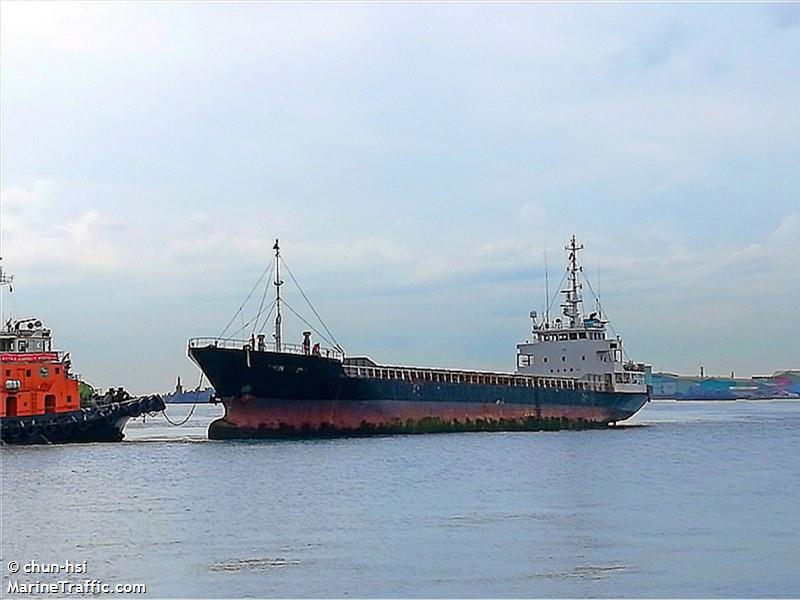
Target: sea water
[(687, 499)]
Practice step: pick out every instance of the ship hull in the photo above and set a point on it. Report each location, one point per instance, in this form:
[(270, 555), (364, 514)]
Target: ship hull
[(271, 395), (96, 424)]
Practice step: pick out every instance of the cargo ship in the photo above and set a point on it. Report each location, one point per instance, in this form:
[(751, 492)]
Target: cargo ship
[(569, 375), (40, 397)]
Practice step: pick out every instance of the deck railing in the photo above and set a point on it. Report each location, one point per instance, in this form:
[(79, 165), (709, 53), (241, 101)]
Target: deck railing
[(422, 375), (256, 346), (417, 374)]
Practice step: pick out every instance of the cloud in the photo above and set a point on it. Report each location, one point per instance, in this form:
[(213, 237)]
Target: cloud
[(532, 213), (783, 15), (34, 238), (423, 156), (657, 50)]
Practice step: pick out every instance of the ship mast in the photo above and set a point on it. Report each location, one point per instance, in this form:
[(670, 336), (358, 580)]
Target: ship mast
[(5, 280), (572, 293), (278, 283)]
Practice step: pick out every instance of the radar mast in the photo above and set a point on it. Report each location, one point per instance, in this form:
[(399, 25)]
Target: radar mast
[(572, 295)]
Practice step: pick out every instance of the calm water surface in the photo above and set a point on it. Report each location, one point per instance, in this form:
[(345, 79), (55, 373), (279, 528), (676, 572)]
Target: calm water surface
[(692, 499)]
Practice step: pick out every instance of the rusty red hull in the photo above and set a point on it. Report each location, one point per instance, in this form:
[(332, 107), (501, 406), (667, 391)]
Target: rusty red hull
[(268, 394), (249, 417)]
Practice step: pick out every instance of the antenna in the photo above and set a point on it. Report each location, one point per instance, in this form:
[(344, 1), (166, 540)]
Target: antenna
[(546, 289), (597, 295), (5, 280), (278, 283)]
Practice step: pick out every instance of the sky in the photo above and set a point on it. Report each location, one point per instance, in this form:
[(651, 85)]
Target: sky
[(418, 163)]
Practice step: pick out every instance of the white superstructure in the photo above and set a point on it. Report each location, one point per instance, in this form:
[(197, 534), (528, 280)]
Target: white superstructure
[(577, 346)]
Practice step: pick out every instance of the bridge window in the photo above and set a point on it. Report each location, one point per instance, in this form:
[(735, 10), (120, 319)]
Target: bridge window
[(582, 335), (573, 336)]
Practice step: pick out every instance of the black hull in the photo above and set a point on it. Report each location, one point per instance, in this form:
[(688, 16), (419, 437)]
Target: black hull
[(96, 424), (271, 395)]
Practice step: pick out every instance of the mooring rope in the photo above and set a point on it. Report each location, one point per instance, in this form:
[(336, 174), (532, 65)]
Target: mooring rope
[(191, 412)]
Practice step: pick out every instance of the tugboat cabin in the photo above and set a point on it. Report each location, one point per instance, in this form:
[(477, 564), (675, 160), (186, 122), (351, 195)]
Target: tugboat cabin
[(35, 378)]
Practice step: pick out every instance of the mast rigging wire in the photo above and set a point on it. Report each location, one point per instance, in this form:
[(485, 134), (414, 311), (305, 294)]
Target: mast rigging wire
[(238, 312), (314, 329), (266, 318), (603, 312), (555, 295), (333, 340), (249, 321), (261, 304)]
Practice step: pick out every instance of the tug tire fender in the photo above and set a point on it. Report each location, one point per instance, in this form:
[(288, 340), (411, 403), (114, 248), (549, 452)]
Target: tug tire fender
[(134, 409)]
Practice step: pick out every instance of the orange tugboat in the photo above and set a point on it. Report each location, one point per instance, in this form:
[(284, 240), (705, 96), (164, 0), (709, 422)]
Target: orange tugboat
[(40, 398)]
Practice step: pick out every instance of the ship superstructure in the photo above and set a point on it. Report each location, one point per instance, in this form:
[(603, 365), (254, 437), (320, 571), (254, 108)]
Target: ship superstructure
[(275, 389), (578, 346)]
